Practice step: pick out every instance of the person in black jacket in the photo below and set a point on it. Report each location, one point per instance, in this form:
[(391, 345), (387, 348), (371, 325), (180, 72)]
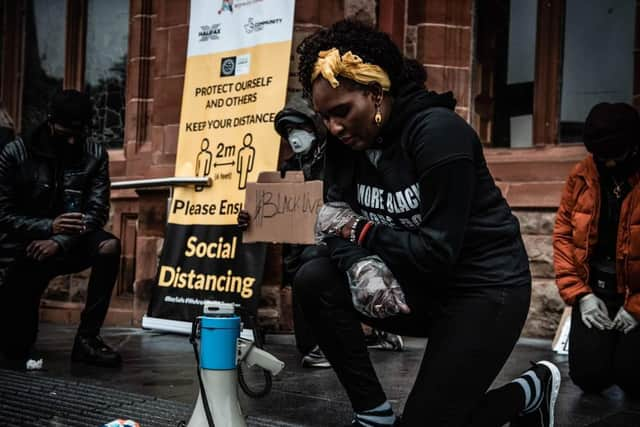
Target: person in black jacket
[(54, 203), (420, 242), (305, 136)]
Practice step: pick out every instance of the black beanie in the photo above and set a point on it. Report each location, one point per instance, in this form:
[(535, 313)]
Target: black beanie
[(71, 109), (611, 130)]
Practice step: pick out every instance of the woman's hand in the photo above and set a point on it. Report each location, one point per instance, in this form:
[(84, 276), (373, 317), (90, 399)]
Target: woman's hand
[(243, 220), (593, 312), (375, 292), (624, 321), (335, 219)]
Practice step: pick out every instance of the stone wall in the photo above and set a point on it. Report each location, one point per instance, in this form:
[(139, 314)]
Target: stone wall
[(546, 306)]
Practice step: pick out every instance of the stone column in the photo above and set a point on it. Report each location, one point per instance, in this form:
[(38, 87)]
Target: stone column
[(443, 43), (152, 220)]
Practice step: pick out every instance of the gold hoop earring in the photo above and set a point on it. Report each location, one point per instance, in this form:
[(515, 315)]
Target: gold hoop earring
[(378, 116)]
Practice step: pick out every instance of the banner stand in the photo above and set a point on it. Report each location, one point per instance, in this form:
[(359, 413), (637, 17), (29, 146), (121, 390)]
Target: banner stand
[(236, 78)]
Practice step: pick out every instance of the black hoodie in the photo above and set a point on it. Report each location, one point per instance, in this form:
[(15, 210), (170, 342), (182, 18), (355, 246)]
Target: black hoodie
[(439, 218)]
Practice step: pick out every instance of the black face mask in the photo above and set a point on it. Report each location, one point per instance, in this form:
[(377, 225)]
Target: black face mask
[(625, 166), (66, 152)]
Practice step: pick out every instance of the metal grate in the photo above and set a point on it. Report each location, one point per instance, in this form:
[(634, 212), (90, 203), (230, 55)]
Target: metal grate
[(30, 399), (619, 419), (34, 400)]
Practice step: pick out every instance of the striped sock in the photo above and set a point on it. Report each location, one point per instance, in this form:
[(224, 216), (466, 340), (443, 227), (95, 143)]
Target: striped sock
[(532, 387), (380, 416)]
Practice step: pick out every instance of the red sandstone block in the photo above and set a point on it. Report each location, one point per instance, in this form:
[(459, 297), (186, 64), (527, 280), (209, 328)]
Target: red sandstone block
[(157, 138), (323, 13), (131, 120), (459, 81), (173, 12), (444, 46), (117, 168), (450, 12), (167, 100), (177, 48), (170, 144), (306, 11), (435, 79), (160, 49), (147, 265), (416, 12), (463, 112)]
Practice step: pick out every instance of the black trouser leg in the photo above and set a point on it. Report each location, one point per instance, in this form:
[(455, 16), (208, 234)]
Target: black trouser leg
[(591, 354), (326, 302), (20, 305), (20, 296), (305, 341), (295, 256), (626, 361), (498, 406), (104, 271), (471, 333)]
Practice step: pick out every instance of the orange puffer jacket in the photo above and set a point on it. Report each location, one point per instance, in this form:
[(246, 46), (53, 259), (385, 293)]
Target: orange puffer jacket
[(576, 233)]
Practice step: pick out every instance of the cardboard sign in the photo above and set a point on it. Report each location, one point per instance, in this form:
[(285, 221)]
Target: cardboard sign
[(283, 210), (560, 342)]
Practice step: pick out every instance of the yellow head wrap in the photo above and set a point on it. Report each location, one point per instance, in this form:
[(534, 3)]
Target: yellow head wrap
[(330, 64)]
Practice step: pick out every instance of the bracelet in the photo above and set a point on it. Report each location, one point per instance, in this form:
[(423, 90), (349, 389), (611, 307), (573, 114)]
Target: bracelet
[(353, 233), (364, 232)]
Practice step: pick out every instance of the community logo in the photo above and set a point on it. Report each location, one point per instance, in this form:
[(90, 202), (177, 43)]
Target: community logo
[(235, 65), (209, 32), (253, 27), (227, 5)]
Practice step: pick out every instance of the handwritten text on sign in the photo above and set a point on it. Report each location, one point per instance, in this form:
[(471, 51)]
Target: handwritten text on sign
[(283, 212)]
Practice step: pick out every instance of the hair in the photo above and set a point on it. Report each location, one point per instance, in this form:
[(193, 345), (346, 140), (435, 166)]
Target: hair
[(414, 71), (373, 46)]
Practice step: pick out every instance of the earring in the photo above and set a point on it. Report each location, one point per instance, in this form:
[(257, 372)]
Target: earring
[(378, 116)]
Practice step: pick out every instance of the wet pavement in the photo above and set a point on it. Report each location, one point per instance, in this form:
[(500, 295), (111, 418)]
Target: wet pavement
[(160, 367)]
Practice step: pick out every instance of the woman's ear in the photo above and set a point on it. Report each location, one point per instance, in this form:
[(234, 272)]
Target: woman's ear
[(376, 92)]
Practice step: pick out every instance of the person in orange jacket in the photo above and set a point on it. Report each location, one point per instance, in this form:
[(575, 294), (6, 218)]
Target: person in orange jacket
[(596, 243)]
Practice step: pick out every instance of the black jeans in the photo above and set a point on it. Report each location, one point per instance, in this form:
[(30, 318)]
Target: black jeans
[(27, 279), (294, 257), (471, 333), (599, 359)]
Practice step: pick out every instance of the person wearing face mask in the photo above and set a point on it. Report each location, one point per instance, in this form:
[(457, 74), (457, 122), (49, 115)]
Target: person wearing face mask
[(303, 135), (304, 138), (54, 203), (597, 252), (408, 189)]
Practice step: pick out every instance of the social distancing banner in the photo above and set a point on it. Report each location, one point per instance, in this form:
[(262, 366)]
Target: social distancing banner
[(235, 82)]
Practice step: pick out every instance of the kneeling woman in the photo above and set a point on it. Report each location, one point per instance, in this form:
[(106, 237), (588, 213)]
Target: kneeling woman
[(421, 243)]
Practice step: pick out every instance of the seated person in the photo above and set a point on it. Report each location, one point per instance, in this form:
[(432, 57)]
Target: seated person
[(597, 252), (54, 202)]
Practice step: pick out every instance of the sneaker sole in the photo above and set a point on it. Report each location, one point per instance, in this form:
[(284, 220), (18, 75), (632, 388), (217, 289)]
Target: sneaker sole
[(316, 366), (556, 379), (387, 345)]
